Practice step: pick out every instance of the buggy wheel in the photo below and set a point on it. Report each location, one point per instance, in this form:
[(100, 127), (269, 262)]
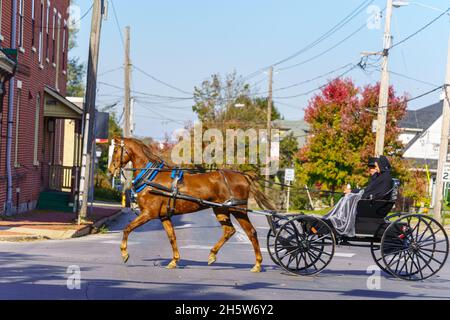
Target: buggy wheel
[(304, 246), (414, 247), (271, 239), (375, 250)]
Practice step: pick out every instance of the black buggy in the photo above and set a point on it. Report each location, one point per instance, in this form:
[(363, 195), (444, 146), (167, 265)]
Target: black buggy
[(411, 247)]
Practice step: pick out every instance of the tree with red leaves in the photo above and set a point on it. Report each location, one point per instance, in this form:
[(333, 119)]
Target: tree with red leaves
[(341, 138)]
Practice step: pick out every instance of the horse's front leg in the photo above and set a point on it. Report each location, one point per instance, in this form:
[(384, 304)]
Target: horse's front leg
[(139, 221), (167, 224)]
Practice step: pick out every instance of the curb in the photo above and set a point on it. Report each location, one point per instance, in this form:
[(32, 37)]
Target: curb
[(85, 231)]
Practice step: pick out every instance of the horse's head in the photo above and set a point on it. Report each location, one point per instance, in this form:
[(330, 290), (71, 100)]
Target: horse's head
[(121, 155)]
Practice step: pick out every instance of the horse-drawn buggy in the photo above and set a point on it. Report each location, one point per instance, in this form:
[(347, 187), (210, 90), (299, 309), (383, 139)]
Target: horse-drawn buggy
[(410, 247)]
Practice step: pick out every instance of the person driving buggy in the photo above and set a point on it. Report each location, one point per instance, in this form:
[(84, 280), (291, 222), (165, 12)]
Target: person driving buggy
[(343, 215)]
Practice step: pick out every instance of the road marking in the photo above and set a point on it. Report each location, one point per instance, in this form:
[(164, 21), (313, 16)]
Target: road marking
[(185, 226), (344, 255), (131, 243)]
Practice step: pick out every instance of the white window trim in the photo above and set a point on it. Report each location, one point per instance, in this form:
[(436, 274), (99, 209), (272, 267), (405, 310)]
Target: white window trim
[(37, 122), (41, 32), (65, 35), (33, 18), (21, 25), (16, 141)]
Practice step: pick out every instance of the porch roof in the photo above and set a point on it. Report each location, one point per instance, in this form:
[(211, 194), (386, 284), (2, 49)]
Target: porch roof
[(57, 106), (6, 64)]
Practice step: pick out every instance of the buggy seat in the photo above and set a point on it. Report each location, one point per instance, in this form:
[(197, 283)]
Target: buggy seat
[(371, 213)]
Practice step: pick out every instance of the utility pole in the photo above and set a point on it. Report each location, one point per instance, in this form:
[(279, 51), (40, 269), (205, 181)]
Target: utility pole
[(384, 86), (89, 112), (269, 128), (443, 149), (127, 126)]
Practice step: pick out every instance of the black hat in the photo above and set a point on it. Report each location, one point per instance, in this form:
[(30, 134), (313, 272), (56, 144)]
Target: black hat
[(372, 162)]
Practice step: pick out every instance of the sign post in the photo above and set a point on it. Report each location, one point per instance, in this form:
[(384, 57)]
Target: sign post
[(289, 177)]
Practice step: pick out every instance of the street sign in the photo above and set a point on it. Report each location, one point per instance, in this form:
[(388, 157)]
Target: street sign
[(289, 175), (446, 177)]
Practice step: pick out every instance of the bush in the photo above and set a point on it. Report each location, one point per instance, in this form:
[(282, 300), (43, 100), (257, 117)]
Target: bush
[(107, 194)]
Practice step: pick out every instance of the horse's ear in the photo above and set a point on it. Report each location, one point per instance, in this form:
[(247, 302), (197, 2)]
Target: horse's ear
[(116, 140)]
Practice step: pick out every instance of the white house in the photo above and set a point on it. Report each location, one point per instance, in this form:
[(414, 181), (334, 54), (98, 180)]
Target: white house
[(421, 133)]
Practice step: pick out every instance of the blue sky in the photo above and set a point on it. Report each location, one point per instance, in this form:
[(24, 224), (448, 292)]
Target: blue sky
[(183, 42)]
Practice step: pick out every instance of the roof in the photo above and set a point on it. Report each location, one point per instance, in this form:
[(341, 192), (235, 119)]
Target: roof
[(422, 163), (6, 64), (300, 129), (422, 118), (59, 107)]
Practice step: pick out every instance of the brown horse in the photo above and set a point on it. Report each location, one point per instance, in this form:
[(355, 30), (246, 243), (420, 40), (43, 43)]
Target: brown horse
[(219, 187)]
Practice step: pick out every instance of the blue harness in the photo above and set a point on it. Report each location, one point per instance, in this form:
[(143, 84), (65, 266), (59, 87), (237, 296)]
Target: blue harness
[(149, 174)]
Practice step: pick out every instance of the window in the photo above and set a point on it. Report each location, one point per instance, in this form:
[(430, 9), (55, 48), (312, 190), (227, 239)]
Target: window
[(64, 46), (1, 15), (21, 23), (41, 32), (58, 54), (17, 142), (47, 21), (53, 37), (33, 24), (37, 121)]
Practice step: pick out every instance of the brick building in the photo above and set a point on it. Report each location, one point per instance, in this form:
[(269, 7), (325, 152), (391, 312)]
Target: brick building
[(40, 110)]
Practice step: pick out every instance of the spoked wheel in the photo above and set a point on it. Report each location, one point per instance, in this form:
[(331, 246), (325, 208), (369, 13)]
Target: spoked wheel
[(304, 246), (414, 248), (271, 239), (375, 249)]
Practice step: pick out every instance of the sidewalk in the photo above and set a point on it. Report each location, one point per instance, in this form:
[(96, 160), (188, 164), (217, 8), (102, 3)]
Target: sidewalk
[(48, 225)]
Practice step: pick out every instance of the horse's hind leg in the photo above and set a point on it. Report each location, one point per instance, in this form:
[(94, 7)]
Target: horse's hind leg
[(223, 216), (167, 224), (245, 223), (139, 221)]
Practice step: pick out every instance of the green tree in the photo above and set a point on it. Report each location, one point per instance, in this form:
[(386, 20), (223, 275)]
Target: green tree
[(228, 103), (76, 70), (341, 138)]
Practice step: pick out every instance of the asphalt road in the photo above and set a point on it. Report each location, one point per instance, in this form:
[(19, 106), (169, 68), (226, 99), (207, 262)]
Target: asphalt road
[(43, 270)]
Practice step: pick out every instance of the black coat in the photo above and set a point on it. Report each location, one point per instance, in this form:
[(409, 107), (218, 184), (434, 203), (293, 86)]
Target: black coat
[(380, 184)]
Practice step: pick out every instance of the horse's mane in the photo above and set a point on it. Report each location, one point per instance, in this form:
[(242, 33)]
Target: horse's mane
[(150, 152)]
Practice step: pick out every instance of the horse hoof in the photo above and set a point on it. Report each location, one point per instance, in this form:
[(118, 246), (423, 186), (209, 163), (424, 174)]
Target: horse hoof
[(212, 259), (125, 258), (172, 265), (256, 269)]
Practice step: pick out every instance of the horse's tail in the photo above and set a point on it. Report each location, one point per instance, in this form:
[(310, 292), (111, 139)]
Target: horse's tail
[(255, 189)]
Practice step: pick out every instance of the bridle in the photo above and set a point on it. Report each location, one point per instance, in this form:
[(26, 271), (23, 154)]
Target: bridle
[(121, 166)]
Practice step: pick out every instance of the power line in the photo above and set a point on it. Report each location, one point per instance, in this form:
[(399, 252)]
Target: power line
[(146, 94), (160, 81), (321, 87), (421, 29), (119, 29), (411, 78), (325, 36), (425, 94), (110, 71), (315, 78), (325, 51)]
